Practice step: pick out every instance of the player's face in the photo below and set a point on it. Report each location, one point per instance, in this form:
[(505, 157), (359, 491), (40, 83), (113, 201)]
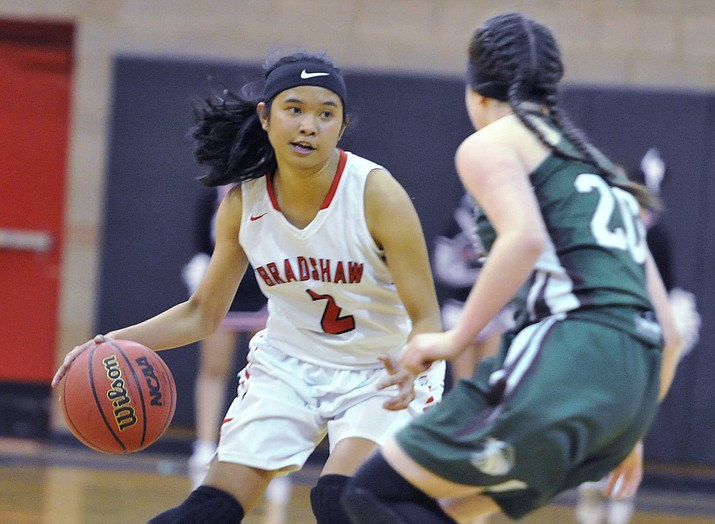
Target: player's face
[(305, 125)]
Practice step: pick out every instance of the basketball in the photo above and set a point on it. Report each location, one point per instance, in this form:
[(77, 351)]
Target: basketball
[(118, 397)]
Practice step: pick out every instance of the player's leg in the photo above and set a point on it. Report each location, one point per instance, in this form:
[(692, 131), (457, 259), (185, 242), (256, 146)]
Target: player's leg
[(359, 423), (204, 504), (591, 503), (621, 511), (270, 427), (486, 345), (473, 509), (378, 494), (278, 492), (229, 492), (345, 458), (277, 498), (215, 366), (328, 496)]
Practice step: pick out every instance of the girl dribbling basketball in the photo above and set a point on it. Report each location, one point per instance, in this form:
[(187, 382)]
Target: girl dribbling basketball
[(338, 250)]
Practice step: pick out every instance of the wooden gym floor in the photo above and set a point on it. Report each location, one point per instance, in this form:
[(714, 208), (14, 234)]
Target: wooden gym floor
[(66, 484)]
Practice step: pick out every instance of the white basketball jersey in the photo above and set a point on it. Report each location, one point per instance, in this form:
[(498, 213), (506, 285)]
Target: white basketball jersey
[(331, 298)]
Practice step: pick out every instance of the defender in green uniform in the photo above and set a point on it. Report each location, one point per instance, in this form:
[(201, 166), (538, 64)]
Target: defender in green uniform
[(577, 381)]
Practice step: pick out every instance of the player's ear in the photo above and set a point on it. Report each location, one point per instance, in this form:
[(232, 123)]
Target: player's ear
[(262, 111), (342, 129)]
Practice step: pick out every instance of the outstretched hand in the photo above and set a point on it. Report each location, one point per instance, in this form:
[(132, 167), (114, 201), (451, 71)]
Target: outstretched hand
[(72, 355), (426, 348), (400, 377), (624, 480)]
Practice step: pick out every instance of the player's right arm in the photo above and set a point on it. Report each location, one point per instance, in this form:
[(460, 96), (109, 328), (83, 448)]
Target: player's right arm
[(202, 313), (498, 179)]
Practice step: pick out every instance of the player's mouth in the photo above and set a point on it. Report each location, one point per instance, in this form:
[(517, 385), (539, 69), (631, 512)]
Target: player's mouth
[(303, 148)]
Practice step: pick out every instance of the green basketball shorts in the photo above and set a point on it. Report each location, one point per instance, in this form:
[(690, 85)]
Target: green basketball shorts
[(563, 402)]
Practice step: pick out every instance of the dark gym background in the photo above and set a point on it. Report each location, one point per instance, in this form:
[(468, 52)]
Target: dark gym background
[(412, 124)]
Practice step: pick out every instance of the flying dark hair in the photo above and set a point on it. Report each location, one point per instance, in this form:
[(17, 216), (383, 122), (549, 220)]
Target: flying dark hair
[(230, 140), (517, 60)]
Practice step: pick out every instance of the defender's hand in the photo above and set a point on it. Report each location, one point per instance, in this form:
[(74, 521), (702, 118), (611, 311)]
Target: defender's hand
[(624, 480), (426, 348)]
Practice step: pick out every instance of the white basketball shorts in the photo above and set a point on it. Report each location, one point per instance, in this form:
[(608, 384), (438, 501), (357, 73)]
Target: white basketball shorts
[(285, 407)]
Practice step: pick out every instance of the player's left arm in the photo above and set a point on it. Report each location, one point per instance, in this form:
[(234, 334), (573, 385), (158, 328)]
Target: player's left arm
[(671, 336), (625, 479), (396, 228)]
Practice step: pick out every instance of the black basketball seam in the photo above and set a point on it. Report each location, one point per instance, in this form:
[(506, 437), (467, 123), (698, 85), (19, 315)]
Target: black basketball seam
[(169, 379), (141, 393), (96, 399)]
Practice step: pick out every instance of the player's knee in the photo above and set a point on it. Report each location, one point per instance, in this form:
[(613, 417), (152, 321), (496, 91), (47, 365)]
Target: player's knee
[(378, 494), (363, 507), (325, 500), (204, 504), (363, 497)]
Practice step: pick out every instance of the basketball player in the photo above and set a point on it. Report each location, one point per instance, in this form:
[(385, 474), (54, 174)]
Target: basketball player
[(247, 315), (338, 250), (577, 382)]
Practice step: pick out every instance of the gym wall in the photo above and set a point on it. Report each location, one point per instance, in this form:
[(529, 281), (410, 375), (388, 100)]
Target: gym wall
[(412, 124)]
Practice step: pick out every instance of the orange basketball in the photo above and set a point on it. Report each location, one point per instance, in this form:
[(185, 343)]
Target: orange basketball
[(118, 397)]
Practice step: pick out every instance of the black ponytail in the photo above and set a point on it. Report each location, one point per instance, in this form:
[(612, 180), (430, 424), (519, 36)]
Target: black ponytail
[(230, 140)]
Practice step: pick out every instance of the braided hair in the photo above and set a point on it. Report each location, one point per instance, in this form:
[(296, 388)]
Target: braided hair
[(517, 60), (230, 140)]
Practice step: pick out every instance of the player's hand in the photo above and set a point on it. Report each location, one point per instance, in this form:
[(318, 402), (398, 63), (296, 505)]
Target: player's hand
[(426, 348), (72, 355), (400, 377), (624, 480)]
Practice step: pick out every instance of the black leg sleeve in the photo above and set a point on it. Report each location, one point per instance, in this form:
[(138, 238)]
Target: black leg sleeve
[(377, 494), (325, 500), (205, 504)]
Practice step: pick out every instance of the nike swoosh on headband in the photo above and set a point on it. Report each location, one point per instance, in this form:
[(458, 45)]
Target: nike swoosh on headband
[(304, 74)]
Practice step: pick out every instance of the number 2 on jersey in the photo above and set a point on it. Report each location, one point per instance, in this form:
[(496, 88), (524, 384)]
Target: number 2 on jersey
[(630, 236), (332, 323)]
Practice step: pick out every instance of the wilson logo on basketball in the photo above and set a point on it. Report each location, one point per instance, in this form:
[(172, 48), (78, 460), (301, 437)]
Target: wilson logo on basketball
[(124, 413), (151, 381)]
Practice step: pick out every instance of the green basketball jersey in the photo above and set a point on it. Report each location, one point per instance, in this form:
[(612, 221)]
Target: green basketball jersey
[(594, 263)]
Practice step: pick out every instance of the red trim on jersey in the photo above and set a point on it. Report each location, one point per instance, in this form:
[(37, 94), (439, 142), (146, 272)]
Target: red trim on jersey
[(338, 174), (331, 192), (272, 192)]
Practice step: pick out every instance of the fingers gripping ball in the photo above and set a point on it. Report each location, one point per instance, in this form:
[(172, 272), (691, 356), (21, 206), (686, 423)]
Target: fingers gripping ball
[(118, 397)]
